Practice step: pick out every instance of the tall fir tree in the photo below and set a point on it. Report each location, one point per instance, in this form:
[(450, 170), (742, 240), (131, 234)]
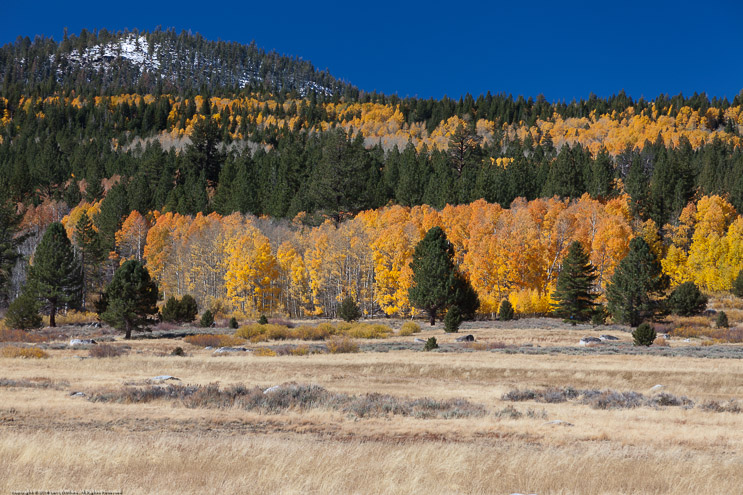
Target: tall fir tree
[(638, 282), (574, 290), (55, 275), (10, 241), (89, 249)]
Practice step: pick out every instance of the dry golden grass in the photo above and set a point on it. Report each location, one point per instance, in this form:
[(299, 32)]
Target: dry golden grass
[(51, 440)]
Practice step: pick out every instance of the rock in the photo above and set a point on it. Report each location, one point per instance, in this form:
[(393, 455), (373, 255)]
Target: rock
[(419, 341), (75, 342), (272, 389), (559, 422), (466, 338), (586, 341), (687, 340), (656, 387), (709, 312), (223, 350), (608, 337), (163, 378), (77, 394)]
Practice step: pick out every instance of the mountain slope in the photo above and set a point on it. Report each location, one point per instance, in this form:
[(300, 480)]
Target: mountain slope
[(156, 61)]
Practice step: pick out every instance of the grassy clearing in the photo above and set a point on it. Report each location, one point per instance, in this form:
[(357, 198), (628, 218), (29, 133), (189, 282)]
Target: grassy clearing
[(401, 421)]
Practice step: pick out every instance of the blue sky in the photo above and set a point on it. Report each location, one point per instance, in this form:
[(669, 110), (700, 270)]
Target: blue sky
[(563, 50)]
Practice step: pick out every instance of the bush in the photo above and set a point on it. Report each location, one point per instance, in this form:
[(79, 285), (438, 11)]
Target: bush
[(178, 351), (264, 352), (644, 334), (23, 313), (722, 320), (505, 312), (341, 345), (207, 319), (23, 352), (452, 320), (233, 323), (431, 344), (213, 340), (106, 351), (180, 311), (409, 328), (349, 310), (687, 300), (263, 320)]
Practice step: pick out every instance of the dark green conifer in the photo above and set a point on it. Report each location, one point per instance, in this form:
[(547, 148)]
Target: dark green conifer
[(574, 290)]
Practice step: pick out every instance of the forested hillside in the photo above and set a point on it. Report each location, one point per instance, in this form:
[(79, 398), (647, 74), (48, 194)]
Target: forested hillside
[(259, 184)]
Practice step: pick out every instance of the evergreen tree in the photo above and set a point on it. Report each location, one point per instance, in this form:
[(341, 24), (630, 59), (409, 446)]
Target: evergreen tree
[(437, 284), (132, 298), (203, 155), (644, 335), (207, 319), (737, 289), (573, 293), (638, 281), (506, 311), (349, 310), (10, 241), (452, 319), (55, 275)]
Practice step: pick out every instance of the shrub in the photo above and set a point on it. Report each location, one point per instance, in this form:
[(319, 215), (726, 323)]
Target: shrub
[(452, 320), (106, 351), (341, 345), (178, 351), (23, 352), (722, 320), (366, 331), (505, 312), (263, 320), (264, 352), (11, 335), (644, 334), (233, 323), (431, 344), (216, 340), (661, 342), (349, 310), (409, 328), (180, 311), (207, 319), (23, 313), (687, 300)]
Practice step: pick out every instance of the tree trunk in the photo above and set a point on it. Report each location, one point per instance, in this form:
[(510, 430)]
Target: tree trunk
[(52, 314), (432, 314), (128, 331)]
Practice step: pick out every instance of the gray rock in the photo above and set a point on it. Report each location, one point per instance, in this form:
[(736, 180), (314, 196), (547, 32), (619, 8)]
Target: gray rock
[(272, 389), (419, 341), (466, 338), (656, 387), (163, 378), (608, 337), (589, 340), (559, 422), (223, 350), (77, 394), (75, 342)]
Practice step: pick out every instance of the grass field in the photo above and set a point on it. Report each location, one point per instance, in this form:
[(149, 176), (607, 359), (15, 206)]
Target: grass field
[(52, 440)]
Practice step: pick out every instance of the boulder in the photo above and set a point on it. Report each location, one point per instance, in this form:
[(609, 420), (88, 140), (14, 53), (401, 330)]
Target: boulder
[(586, 341), (75, 342), (608, 337), (466, 338), (275, 388), (656, 387), (559, 422), (224, 350), (419, 340), (163, 378)]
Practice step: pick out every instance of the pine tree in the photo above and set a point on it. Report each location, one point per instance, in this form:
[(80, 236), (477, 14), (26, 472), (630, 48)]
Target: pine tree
[(349, 310), (573, 292), (9, 244), (737, 289), (23, 312), (55, 275), (437, 283), (131, 298), (638, 281), (452, 319)]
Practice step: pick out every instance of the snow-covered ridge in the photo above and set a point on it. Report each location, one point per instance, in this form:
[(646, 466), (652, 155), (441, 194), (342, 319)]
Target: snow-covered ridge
[(172, 64)]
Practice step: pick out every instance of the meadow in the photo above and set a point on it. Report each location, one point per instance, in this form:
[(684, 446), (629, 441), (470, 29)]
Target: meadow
[(524, 409)]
